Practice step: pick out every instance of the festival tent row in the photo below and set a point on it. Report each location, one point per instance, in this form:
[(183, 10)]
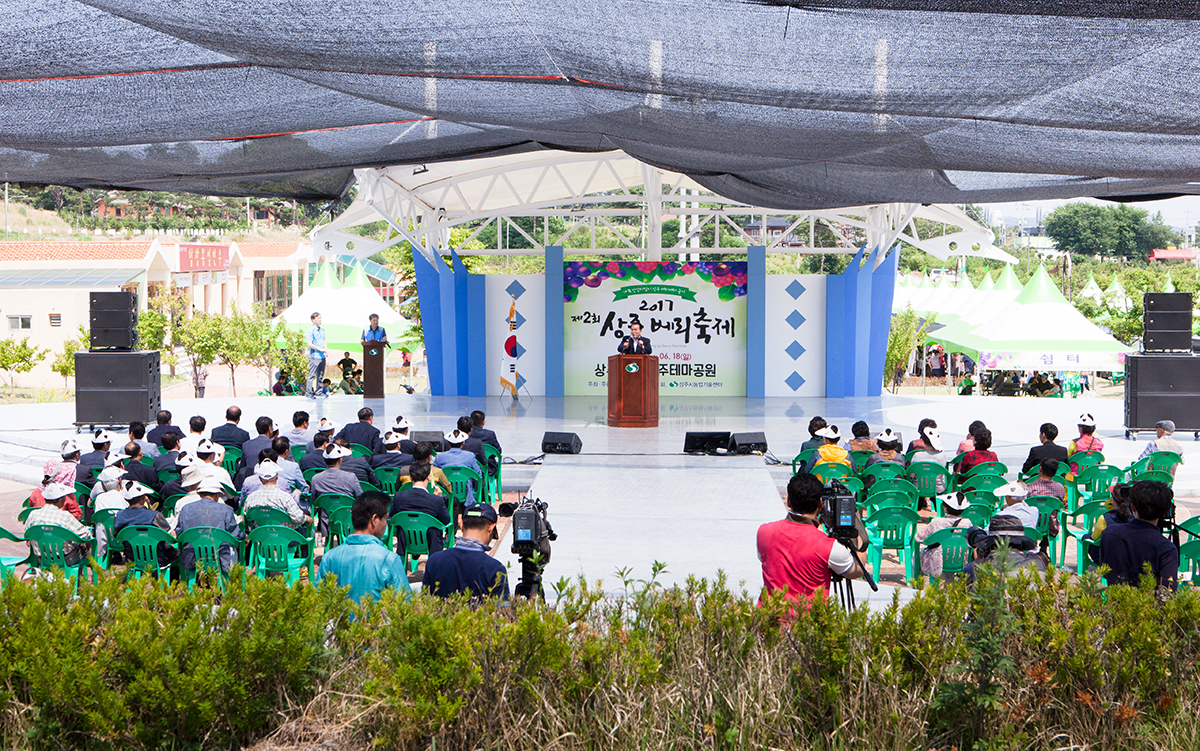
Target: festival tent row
[(1037, 330), (344, 309)]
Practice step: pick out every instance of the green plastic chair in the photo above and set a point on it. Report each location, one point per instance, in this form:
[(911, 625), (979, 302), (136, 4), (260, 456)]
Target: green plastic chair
[(860, 459), (1156, 475), (495, 488), (1189, 563), (1048, 508), (853, 484), (893, 529), (801, 460), (330, 501), (458, 477), (413, 526), (924, 476), (82, 493), (1089, 512), (955, 549), (266, 516), (9, 563), (389, 477), (883, 471), (167, 475), (206, 544), (1159, 461), (146, 460), (168, 506), (988, 468), (340, 527), (230, 460), (368, 487), (272, 553), (1092, 484), (357, 449), (297, 453), (309, 474), (979, 514), (1191, 526), (51, 541), (106, 519), (983, 482), (1085, 459), (954, 462), (894, 485), (826, 471), (889, 499), (143, 540), (908, 455)]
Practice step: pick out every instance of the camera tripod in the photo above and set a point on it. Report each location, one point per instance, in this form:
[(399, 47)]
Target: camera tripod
[(845, 589)]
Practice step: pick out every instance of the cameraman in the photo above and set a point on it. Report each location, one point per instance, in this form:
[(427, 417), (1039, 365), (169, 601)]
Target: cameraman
[(1128, 548), (797, 557)]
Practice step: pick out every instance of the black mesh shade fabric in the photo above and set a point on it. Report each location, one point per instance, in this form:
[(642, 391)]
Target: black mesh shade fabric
[(796, 105)]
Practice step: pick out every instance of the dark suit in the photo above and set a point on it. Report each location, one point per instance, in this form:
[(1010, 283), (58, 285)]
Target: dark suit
[(83, 473), (1048, 450), (391, 459), (361, 469), (628, 346), (166, 461), (407, 446), (229, 435), (422, 502), (143, 474), (174, 487), (475, 446), (251, 448), (156, 433), (488, 437), (364, 434), (313, 460)]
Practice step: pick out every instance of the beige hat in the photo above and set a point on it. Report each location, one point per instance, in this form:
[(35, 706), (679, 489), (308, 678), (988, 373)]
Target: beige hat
[(192, 474)]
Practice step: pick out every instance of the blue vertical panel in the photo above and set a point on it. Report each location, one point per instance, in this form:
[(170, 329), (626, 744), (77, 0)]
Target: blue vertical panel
[(449, 331), (429, 296), (477, 345), (862, 323), (883, 289), (756, 321), (555, 343), (835, 336), (461, 336)]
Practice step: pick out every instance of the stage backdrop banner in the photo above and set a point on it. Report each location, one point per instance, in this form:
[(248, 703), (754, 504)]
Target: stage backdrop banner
[(693, 313)]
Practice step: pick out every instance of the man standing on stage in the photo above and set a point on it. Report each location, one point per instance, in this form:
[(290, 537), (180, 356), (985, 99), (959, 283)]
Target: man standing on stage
[(316, 355), (375, 332), (635, 343)]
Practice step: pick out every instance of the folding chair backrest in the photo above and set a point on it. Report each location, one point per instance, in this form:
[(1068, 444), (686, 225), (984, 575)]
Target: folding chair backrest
[(1048, 507), (357, 449), (272, 546), (459, 477), (955, 549), (168, 506), (1088, 513), (896, 526), (143, 541), (1191, 526), (1156, 475), (206, 545), (297, 453), (924, 475), (167, 475), (230, 460), (1085, 459), (309, 474), (330, 501), (1162, 461), (890, 499), (984, 482), (265, 516), (860, 458), (801, 460), (388, 479)]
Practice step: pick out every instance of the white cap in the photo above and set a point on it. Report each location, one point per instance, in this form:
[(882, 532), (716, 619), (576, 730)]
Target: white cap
[(830, 432), (210, 485), (114, 458), (933, 438), (457, 436), (101, 436), (1086, 420), (68, 447), (402, 424), (131, 489), (1011, 490), (326, 425), (391, 439), (192, 474), (110, 474), (205, 446), (186, 460), (268, 470), (887, 436), (334, 451), (955, 500), (56, 490)]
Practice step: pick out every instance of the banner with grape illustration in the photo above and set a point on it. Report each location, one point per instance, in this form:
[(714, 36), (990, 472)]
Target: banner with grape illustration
[(693, 313)]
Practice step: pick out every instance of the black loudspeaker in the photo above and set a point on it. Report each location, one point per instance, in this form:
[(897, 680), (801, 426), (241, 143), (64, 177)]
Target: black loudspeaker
[(1167, 320), (561, 443), (1165, 302), (115, 388), (433, 437), (1162, 387), (748, 443), (113, 320), (705, 442), (1167, 341)]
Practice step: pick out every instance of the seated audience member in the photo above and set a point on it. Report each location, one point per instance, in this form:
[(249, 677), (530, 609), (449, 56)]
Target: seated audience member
[(831, 452), (363, 432), (1087, 441), (170, 444), (930, 448), (472, 444), (196, 428), (918, 444), (953, 504), (419, 499), (101, 441), (53, 513), (206, 452), (335, 479), (139, 514), (862, 440), (1119, 511), (363, 563), (455, 456), (61, 472), (401, 427), (359, 466), (326, 387), (326, 426), (164, 426), (135, 470), (230, 434), (1164, 440), (272, 496), (253, 483), (290, 475), (108, 499), (1128, 549), (423, 452), (815, 441), (1056, 388), (189, 482), (482, 433), (392, 455), (967, 386), (1046, 448), (889, 449), (137, 434), (1014, 495), (1023, 551), (300, 434), (467, 567), (314, 458), (1045, 485), (208, 511), (279, 388), (968, 444), (267, 431), (981, 454)]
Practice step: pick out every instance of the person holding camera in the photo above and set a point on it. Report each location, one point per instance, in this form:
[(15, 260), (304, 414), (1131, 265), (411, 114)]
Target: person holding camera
[(797, 557), (1127, 549), (467, 567)]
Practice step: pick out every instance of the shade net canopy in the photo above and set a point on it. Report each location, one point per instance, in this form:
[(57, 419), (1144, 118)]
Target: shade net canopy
[(790, 105)]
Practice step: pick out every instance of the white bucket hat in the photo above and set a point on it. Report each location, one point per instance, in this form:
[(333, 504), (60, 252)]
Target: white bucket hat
[(887, 436), (1011, 490), (56, 490), (69, 447), (456, 436), (1086, 420), (830, 432), (326, 426), (955, 500), (101, 436), (268, 470), (131, 489), (933, 438), (401, 424), (334, 451), (115, 458)]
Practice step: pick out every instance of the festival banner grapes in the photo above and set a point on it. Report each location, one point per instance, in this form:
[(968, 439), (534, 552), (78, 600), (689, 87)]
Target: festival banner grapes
[(693, 313)]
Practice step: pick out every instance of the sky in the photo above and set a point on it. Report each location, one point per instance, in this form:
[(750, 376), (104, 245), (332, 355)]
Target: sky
[(1182, 213)]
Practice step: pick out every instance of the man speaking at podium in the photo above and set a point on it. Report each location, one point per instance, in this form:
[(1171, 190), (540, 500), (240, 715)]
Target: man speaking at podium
[(635, 343)]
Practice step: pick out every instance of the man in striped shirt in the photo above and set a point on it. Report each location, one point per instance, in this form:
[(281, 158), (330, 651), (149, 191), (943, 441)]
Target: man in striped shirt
[(53, 514), (272, 496)]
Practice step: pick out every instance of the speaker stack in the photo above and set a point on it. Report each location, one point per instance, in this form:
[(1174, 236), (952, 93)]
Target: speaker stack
[(114, 383), (1163, 381)]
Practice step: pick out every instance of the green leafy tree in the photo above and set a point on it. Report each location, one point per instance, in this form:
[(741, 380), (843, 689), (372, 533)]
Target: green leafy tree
[(19, 357), (200, 337), (1084, 228), (294, 356), (64, 361), (399, 259), (908, 330), (157, 324), (255, 338)]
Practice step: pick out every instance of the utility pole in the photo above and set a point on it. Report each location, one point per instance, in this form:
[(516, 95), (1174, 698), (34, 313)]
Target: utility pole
[(6, 212)]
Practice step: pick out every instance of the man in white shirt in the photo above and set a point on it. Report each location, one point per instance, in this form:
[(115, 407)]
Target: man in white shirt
[(196, 430), (1014, 494), (206, 451)]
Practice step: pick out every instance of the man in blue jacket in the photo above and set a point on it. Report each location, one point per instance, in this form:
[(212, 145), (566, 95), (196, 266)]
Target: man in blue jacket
[(467, 567)]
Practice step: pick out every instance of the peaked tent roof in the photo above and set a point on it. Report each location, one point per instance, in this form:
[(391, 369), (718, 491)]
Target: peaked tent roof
[(1169, 285), (344, 310), (1116, 294), (1091, 290), (988, 284)]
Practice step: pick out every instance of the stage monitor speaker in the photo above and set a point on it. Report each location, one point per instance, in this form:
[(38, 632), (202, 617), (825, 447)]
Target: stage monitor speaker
[(748, 443), (113, 320), (561, 443), (1165, 302), (705, 442), (1162, 387), (1167, 341), (115, 388), (438, 440)]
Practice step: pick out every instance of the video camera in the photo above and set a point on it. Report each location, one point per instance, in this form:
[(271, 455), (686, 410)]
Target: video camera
[(532, 535), (839, 514)]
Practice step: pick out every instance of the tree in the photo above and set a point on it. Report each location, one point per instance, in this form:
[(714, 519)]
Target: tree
[(907, 331), (399, 259), (255, 339), (19, 357), (294, 356), (200, 336), (64, 361), (1084, 228), (157, 325)]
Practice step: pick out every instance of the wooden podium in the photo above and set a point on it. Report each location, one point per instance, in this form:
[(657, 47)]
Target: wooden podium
[(374, 354), (633, 391)]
